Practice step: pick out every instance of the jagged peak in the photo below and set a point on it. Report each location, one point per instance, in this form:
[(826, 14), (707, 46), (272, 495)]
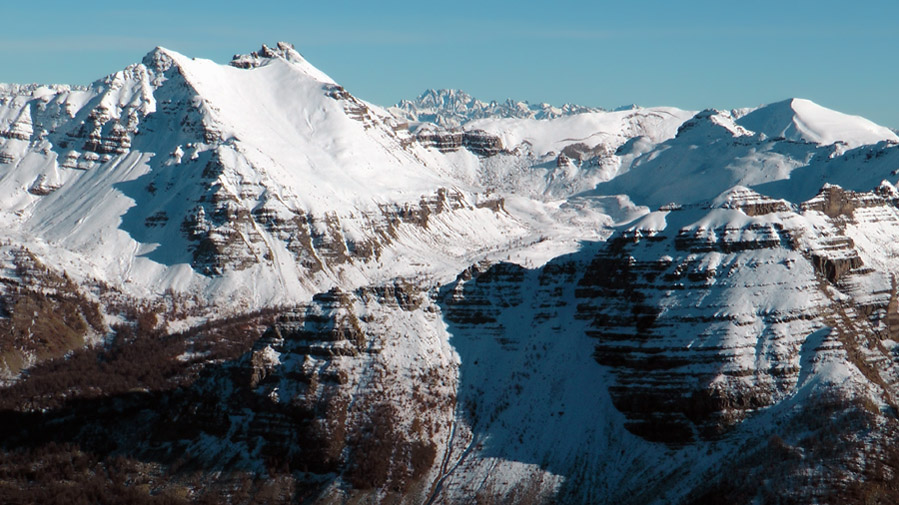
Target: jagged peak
[(712, 123), (444, 98), (281, 51), (453, 107), (887, 190), (443, 92), (13, 89), (160, 59)]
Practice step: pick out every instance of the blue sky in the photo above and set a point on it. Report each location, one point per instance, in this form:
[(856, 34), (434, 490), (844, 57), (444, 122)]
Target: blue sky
[(690, 54)]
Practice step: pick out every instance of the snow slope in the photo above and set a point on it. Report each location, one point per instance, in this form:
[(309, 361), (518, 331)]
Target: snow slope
[(712, 153), (805, 121), (609, 129)]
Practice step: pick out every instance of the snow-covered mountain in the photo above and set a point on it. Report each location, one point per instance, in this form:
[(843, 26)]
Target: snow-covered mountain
[(241, 282), (177, 171), (805, 121)]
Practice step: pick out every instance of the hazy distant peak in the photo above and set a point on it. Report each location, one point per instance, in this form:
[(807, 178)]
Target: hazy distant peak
[(453, 108)]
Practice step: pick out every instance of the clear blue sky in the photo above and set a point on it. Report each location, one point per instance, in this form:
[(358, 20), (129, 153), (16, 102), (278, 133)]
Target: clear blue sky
[(690, 54)]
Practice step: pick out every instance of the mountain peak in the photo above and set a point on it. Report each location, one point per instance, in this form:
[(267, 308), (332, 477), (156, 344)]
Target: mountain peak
[(160, 59), (282, 51), (803, 120), (712, 123), (444, 95)]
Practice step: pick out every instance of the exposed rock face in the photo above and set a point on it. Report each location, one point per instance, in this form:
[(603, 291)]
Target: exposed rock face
[(679, 376), (833, 201), (752, 203), (446, 141), (264, 55), (21, 128), (354, 390), (582, 152), (683, 374), (477, 141), (224, 230), (43, 314), (656, 300), (481, 142), (83, 136)]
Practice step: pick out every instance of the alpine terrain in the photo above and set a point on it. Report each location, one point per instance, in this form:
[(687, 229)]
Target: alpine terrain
[(243, 284)]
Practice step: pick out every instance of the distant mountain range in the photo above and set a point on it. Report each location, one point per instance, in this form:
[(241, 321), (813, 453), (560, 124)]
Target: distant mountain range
[(452, 108)]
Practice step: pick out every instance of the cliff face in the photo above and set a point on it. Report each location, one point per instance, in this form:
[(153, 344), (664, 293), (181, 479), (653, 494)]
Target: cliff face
[(702, 328), (478, 142), (333, 389)]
